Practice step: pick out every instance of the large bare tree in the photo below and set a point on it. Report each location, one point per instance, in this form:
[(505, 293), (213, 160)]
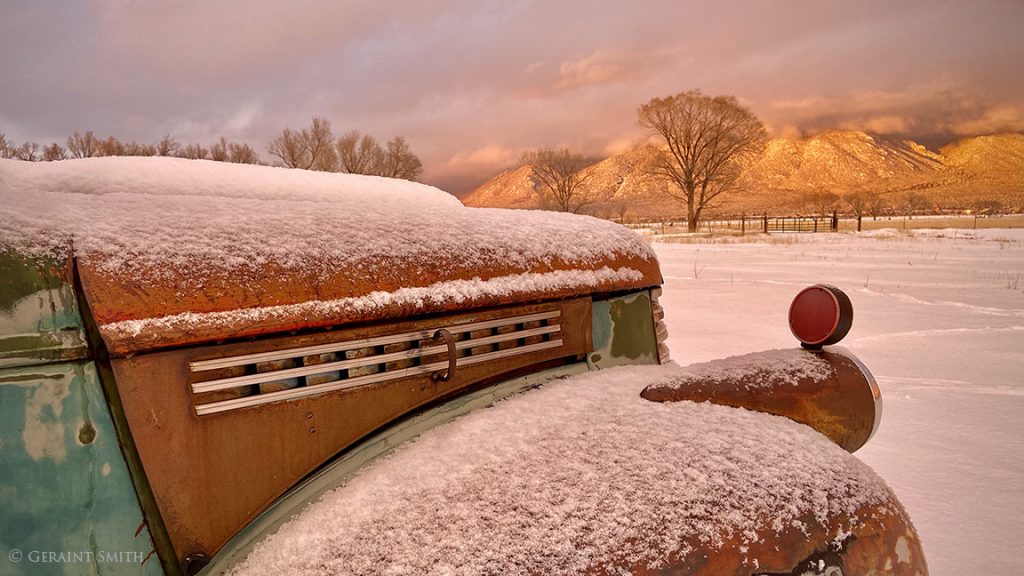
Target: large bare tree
[(399, 161), (29, 151), (54, 152), (359, 153), (562, 176), (194, 152), (708, 138), (241, 153), (310, 148), (291, 148), (86, 146)]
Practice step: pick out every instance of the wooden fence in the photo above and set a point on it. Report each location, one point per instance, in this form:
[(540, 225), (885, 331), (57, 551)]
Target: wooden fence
[(763, 224)]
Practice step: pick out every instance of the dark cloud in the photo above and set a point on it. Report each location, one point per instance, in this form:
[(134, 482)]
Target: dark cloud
[(473, 84)]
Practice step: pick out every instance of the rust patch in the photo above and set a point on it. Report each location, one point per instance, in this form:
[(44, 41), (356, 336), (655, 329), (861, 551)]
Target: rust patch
[(86, 434), (874, 539)]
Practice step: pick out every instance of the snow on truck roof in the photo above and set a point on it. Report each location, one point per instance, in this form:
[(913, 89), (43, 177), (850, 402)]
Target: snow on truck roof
[(173, 251)]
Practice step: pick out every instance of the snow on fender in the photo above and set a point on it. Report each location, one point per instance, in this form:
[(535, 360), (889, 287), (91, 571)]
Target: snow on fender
[(829, 390), (582, 476)]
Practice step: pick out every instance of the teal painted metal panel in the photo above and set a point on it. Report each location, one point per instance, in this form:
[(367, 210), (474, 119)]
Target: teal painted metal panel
[(67, 503), (39, 315), (623, 332)]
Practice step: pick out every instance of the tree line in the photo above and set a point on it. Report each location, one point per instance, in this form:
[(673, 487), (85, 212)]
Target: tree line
[(316, 148), (312, 148)]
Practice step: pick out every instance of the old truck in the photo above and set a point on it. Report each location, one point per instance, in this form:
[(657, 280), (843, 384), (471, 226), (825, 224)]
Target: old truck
[(191, 353)]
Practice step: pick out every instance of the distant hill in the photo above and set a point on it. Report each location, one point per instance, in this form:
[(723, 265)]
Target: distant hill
[(794, 174)]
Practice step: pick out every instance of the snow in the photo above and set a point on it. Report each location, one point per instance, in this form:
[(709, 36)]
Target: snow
[(455, 291), (579, 474), (769, 369), (939, 320), (171, 217)]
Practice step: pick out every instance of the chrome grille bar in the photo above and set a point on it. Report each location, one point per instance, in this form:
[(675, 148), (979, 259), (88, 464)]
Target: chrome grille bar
[(296, 393), (272, 376), (232, 361)]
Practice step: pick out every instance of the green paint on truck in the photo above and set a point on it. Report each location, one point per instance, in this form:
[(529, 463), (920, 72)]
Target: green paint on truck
[(67, 504)]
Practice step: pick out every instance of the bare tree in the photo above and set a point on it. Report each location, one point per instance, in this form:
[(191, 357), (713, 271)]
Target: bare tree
[(54, 152), (321, 145), (821, 203), (6, 147), (219, 150), (708, 140), (561, 175), (875, 205), (111, 147), (83, 146), (310, 149), (987, 206), (167, 146), (242, 154), (358, 154), (361, 154), (399, 161), (859, 201), (29, 151), (916, 203), (194, 152), (291, 148), (133, 148)]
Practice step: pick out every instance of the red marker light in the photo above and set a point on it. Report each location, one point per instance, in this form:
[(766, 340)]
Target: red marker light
[(820, 315)]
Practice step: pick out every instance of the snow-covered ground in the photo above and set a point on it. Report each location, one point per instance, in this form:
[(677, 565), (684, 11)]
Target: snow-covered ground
[(939, 319)]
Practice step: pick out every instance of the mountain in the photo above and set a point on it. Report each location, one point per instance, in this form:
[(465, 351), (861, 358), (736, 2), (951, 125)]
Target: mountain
[(511, 189), (793, 175)]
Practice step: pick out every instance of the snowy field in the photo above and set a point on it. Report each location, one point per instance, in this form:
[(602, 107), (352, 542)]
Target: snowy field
[(939, 319)]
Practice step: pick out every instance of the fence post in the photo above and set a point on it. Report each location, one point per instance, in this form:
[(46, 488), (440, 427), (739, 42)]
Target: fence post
[(743, 224), (835, 221), (765, 222)]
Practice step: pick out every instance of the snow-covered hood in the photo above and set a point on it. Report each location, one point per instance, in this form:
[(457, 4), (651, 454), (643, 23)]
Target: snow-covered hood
[(173, 251)]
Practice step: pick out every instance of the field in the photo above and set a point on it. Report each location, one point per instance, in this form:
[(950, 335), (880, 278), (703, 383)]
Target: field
[(939, 319)]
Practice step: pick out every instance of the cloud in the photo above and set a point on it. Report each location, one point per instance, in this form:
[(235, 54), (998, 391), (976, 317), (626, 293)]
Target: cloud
[(597, 69), (465, 170), (488, 157), (244, 118), (620, 145), (932, 113), (886, 124), (1005, 118)]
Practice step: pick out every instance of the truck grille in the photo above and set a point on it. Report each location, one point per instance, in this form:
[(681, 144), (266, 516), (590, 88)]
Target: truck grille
[(235, 382)]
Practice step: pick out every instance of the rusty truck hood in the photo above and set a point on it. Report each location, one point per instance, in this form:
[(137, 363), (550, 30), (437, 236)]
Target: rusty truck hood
[(174, 252)]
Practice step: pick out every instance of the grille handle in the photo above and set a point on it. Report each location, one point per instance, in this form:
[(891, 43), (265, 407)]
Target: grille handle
[(449, 340)]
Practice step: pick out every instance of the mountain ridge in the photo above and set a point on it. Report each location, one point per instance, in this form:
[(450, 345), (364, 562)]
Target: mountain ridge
[(796, 174)]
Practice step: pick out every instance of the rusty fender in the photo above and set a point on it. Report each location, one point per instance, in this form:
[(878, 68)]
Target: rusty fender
[(837, 397)]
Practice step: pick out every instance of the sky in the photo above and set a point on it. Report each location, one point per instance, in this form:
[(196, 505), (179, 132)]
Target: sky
[(471, 85)]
